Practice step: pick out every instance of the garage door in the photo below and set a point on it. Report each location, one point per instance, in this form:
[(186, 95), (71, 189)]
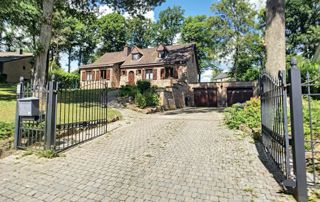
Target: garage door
[(238, 95), (205, 97)]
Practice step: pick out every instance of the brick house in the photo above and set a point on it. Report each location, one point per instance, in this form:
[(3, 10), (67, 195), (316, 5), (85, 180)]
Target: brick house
[(163, 66)]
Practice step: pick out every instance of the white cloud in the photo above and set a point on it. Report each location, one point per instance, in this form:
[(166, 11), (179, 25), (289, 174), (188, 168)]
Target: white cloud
[(258, 4), (105, 9)]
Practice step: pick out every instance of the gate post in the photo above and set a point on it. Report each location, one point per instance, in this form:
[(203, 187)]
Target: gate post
[(51, 113), (299, 162), (20, 94)]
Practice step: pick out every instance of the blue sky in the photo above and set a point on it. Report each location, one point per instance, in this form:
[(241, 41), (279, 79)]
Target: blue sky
[(191, 7)]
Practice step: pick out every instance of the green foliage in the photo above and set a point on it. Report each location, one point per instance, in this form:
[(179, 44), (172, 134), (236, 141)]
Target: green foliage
[(140, 100), (245, 115), (128, 91), (47, 154), (315, 119), (169, 24), (6, 130), (65, 79), (143, 85), (113, 32), (302, 27), (139, 32), (151, 97), (237, 34), (197, 29)]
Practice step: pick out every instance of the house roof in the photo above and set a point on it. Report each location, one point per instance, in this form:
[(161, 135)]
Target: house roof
[(222, 75), (11, 56), (176, 53), (108, 60)]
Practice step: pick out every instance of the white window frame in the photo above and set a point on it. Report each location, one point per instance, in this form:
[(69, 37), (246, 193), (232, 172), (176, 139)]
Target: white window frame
[(88, 76), (149, 74)]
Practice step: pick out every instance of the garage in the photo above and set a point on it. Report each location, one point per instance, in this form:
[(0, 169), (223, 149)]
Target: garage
[(238, 95), (205, 97)]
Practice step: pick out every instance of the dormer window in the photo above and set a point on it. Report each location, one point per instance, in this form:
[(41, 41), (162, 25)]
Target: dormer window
[(162, 54), (136, 56)]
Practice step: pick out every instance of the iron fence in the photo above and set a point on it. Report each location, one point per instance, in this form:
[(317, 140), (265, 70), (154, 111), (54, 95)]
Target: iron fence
[(282, 135), (67, 116), (311, 113), (274, 120)]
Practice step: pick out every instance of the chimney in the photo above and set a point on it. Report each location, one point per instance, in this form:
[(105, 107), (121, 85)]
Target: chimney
[(20, 51), (126, 50)]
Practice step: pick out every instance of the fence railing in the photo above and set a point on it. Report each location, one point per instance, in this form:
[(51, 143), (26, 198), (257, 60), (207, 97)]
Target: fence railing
[(274, 120), (283, 135), (67, 116)]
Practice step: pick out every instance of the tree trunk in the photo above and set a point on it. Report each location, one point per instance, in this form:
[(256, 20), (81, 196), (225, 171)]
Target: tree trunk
[(43, 47), (69, 59), (275, 37)]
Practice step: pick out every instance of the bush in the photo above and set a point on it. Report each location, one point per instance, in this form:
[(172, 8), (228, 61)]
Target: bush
[(143, 85), (140, 101), (246, 115), (65, 79), (6, 130), (125, 91), (151, 97)]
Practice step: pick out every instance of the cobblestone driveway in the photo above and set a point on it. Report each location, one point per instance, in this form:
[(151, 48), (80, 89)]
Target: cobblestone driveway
[(185, 156)]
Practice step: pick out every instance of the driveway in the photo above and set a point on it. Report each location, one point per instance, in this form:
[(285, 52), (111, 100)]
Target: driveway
[(175, 156)]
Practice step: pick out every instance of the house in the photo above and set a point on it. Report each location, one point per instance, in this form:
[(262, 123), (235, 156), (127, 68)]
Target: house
[(222, 77), (13, 65), (163, 66)]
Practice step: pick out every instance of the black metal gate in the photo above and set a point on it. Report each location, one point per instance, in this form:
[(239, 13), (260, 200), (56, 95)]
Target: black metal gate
[(67, 115), (282, 127)]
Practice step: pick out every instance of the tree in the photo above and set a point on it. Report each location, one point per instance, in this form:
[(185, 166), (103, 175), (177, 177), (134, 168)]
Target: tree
[(275, 37), (139, 31), (132, 6), (169, 25), (237, 35), (197, 29), (302, 27), (113, 32)]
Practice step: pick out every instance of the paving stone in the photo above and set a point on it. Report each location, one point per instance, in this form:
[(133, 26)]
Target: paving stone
[(179, 156)]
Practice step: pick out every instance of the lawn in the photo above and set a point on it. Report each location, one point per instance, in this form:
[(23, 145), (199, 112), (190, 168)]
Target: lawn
[(73, 112)]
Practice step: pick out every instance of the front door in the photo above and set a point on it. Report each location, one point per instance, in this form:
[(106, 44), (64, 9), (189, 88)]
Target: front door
[(131, 78)]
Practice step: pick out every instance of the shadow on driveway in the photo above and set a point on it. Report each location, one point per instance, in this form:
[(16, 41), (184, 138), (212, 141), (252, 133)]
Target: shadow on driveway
[(193, 110)]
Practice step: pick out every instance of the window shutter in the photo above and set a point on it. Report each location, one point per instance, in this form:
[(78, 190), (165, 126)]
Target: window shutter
[(155, 74), (162, 74), (108, 74), (143, 74), (93, 75), (98, 75), (83, 75)]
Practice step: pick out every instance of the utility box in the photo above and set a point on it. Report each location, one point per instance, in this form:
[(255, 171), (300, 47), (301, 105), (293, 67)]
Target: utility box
[(29, 107)]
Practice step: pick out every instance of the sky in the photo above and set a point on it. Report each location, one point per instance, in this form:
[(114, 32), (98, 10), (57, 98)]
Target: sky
[(191, 7)]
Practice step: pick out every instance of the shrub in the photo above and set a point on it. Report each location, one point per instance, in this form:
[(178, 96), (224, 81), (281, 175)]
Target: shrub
[(125, 91), (143, 85), (140, 101), (6, 130), (245, 115), (65, 79), (151, 97)]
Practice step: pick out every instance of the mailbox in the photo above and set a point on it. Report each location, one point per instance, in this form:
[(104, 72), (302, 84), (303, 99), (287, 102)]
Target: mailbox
[(29, 107)]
